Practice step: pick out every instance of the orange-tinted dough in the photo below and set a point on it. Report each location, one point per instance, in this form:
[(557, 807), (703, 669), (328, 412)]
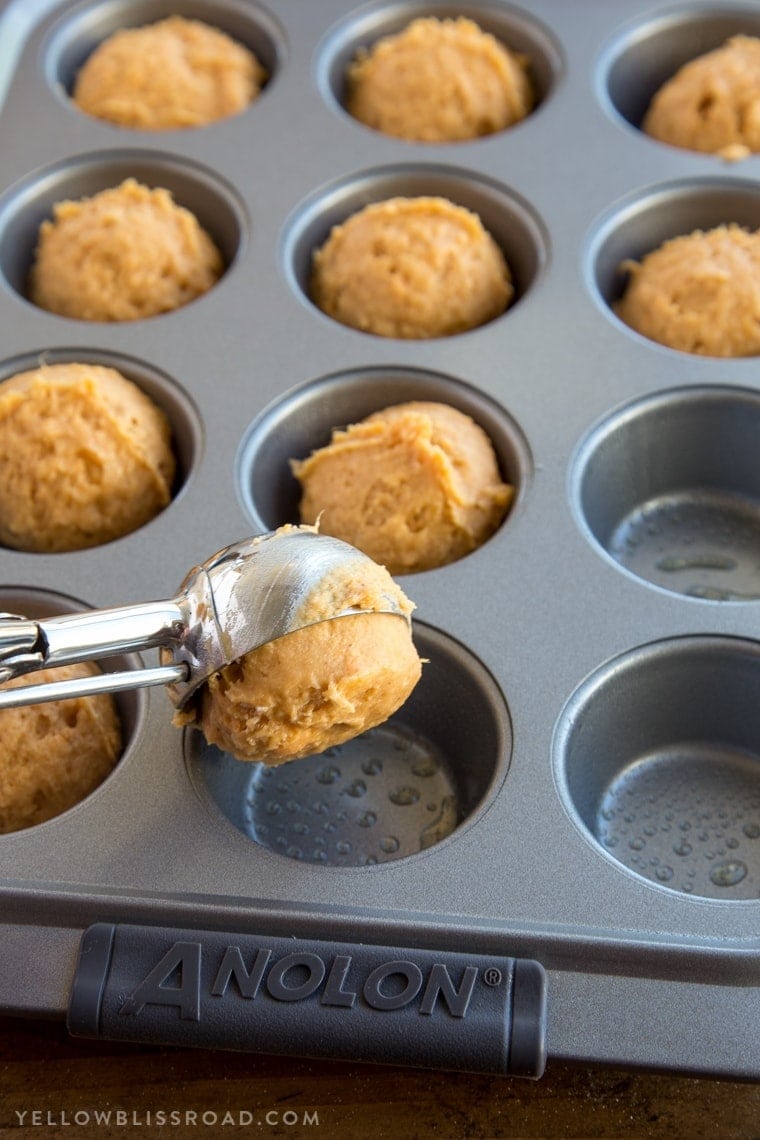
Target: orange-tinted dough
[(712, 103), (698, 293), (126, 253), (411, 268), (414, 486), (54, 754), (320, 685), (439, 81), (174, 73), (85, 457)]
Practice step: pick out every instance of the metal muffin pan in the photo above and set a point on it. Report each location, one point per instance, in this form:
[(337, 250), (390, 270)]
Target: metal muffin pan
[(588, 716)]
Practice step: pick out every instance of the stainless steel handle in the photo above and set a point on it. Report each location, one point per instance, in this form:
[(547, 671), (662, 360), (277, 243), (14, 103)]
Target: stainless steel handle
[(245, 595), (116, 682), (27, 646)]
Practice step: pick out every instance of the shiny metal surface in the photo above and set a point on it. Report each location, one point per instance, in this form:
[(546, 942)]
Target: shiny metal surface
[(242, 597)]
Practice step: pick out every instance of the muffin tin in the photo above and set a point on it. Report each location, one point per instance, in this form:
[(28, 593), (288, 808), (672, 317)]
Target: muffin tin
[(562, 826)]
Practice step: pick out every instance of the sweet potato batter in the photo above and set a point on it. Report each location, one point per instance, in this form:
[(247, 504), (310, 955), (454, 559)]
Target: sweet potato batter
[(126, 253), (172, 74), (320, 685), (54, 754), (85, 457), (439, 81), (698, 293), (712, 103), (414, 486), (411, 268)]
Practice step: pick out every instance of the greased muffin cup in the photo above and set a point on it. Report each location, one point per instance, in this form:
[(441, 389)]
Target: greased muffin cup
[(561, 827)]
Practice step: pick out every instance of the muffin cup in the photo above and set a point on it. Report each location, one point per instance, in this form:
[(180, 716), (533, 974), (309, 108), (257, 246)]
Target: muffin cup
[(670, 489), (657, 759), (395, 791)]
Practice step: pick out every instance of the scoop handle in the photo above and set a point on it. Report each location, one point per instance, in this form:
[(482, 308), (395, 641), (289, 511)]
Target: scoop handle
[(27, 646)]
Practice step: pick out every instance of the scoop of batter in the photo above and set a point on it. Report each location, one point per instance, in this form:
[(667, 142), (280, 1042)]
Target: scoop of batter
[(322, 684), (414, 486), (698, 293), (439, 81), (85, 457), (712, 103), (174, 73), (411, 268), (54, 754), (126, 253)]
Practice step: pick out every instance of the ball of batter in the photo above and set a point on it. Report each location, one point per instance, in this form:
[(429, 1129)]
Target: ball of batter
[(126, 253), (174, 73), (412, 268), (439, 81), (85, 457), (321, 685), (54, 754), (698, 293), (712, 103), (414, 486)]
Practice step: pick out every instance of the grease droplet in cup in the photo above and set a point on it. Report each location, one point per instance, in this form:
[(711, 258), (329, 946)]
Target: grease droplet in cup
[(728, 874), (404, 796)]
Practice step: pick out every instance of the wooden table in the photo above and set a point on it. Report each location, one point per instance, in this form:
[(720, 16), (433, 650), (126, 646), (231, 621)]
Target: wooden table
[(200, 1093)]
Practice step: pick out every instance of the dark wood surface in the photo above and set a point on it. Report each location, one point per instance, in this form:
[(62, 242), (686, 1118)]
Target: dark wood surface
[(207, 1094)]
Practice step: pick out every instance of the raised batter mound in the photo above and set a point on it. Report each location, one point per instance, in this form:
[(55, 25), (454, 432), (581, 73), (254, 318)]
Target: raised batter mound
[(174, 73), (54, 754), (412, 268), (698, 293), (712, 103), (126, 253), (320, 685), (414, 486), (85, 457), (439, 81)]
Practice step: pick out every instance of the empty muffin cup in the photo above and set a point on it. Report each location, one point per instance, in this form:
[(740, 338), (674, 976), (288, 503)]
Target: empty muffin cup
[(657, 760), (669, 488), (395, 791)]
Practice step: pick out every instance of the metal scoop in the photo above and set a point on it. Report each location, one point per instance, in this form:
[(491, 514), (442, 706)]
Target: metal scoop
[(242, 597)]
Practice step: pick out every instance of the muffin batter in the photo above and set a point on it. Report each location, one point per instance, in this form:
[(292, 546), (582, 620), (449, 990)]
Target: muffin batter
[(412, 268), (174, 73), (85, 457), (414, 486), (698, 293), (320, 685), (54, 754), (439, 81), (126, 253), (713, 103)]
